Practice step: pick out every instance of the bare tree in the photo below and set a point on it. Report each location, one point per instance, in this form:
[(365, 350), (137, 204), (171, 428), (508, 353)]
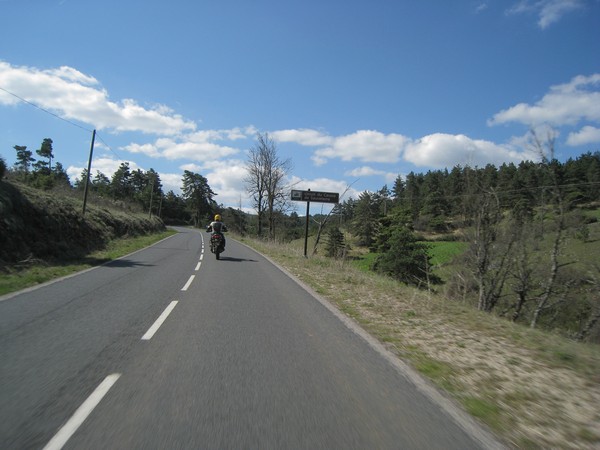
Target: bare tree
[(594, 318), (545, 150), (265, 180), (490, 250), (522, 273)]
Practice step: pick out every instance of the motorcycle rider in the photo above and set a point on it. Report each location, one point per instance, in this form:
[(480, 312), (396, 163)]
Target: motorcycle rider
[(216, 226)]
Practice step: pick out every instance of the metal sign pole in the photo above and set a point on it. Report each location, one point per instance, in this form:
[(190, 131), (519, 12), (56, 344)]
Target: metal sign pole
[(316, 196), (306, 228)]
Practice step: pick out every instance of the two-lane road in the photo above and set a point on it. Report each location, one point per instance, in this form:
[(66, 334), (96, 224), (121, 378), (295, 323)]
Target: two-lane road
[(169, 348)]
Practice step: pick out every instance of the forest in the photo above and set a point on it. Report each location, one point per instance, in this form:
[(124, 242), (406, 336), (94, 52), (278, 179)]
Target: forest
[(527, 233)]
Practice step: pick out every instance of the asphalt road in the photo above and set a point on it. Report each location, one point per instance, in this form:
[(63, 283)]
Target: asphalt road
[(169, 348)]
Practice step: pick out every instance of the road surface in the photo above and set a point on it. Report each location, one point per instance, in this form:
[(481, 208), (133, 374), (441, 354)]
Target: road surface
[(169, 348)]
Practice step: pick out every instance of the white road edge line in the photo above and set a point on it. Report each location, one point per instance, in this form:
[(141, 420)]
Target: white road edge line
[(69, 428), (156, 325), (187, 285)]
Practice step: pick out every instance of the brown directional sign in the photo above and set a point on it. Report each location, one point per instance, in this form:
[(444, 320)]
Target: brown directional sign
[(315, 196)]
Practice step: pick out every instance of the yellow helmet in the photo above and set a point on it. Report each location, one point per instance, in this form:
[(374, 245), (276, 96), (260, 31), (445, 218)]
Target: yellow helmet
[(218, 217)]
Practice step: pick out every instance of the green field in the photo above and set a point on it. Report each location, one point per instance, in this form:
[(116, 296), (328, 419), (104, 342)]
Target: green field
[(441, 252)]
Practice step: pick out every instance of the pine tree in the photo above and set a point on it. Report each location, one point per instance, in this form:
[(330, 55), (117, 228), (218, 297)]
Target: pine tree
[(198, 196), (24, 159), (45, 151), (335, 243)]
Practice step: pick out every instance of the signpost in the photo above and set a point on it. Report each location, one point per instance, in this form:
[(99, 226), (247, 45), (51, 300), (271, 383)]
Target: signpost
[(313, 196)]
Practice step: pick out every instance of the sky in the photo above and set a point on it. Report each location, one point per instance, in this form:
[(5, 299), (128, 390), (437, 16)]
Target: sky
[(353, 92)]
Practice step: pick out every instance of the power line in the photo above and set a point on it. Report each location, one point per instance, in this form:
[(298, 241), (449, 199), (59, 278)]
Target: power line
[(108, 146), (61, 118), (45, 110)]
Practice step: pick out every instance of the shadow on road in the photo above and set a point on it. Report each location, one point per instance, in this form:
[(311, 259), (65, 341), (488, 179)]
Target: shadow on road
[(127, 263), (231, 259)]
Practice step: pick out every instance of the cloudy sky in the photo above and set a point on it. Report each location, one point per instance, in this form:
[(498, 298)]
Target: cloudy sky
[(354, 92)]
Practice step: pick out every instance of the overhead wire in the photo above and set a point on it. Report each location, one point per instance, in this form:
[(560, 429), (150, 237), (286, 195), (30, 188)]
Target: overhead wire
[(61, 118), (44, 110)]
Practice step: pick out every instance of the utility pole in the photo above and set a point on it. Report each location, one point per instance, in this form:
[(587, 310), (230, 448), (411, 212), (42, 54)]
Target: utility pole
[(89, 167)]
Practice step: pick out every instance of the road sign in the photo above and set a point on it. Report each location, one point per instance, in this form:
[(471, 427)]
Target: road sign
[(315, 196)]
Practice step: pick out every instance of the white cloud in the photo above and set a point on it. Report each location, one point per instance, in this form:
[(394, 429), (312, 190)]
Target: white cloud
[(226, 179), (239, 133), (365, 145), (548, 11), (445, 150), (435, 151), (145, 149), (75, 96), (171, 182), (192, 167), (198, 146), (481, 7), (565, 104), (587, 135), (364, 171), (362, 145), (196, 151), (306, 137), (107, 166)]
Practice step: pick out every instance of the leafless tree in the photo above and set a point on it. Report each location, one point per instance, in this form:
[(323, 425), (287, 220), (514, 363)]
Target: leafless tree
[(490, 250), (545, 151), (594, 318), (522, 274), (265, 180)]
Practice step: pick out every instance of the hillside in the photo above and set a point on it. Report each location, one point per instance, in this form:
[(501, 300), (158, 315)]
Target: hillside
[(40, 225)]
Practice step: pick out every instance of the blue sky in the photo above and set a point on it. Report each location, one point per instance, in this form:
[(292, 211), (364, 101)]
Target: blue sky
[(353, 92)]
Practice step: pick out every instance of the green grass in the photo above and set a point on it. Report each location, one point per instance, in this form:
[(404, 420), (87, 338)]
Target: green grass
[(489, 412), (16, 279), (365, 262), (443, 252)]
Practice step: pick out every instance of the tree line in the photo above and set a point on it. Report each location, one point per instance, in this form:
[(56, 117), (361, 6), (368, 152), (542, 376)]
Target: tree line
[(136, 190)]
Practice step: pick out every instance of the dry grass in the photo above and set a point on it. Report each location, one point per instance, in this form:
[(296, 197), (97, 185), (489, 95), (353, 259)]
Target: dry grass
[(534, 389)]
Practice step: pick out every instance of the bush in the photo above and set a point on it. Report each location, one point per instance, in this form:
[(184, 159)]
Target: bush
[(405, 259), (336, 245)]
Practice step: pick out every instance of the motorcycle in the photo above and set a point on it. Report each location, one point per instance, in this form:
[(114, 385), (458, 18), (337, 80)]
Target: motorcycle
[(216, 244)]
